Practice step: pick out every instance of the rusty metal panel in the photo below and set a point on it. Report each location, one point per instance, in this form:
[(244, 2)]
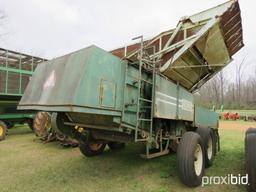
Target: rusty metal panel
[(2, 81)]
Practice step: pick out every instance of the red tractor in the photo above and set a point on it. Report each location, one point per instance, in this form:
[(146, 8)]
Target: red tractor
[(231, 116)]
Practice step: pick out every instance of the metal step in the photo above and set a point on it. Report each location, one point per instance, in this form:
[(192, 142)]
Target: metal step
[(137, 80), (140, 80), (149, 120), (153, 155), (147, 81), (145, 107), (146, 100)]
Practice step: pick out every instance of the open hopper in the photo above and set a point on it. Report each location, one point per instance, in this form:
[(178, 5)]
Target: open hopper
[(199, 47)]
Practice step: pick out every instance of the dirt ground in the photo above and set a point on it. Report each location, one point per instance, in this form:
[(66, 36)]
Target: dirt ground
[(236, 125)]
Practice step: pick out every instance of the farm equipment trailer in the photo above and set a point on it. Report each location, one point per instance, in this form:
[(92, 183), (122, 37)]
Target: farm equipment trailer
[(15, 72), (143, 92)]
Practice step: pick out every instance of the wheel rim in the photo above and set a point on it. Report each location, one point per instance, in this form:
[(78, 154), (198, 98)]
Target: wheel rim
[(95, 146), (1, 131), (210, 148), (198, 163)]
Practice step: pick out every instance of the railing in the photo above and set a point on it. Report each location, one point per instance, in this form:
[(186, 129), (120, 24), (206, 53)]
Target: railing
[(15, 71)]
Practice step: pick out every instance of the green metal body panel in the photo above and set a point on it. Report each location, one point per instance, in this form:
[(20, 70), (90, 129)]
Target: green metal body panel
[(131, 94), (172, 101), (97, 88), (17, 116), (9, 112), (205, 118), (88, 81)]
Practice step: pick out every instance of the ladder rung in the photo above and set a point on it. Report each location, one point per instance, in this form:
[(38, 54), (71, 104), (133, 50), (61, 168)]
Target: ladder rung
[(146, 107), (146, 100), (131, 85), (149, 120), (151, 65), (147, 81), (130, 111)]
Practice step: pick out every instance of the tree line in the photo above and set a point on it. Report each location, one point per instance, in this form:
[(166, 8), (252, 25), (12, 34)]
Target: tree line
[(238, 93)]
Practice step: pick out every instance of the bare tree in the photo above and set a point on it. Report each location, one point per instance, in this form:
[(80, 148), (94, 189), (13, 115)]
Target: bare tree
[(215, 86), (222, 87), (239, 75), (210, 92), (234, 95)]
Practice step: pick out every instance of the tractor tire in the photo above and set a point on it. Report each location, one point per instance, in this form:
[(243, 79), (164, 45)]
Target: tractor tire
[(3, 130), (116, 145), (217, 141), (41, 125), (251, 130), (90, 149), (209, 141), (250, 158), (190, 159)]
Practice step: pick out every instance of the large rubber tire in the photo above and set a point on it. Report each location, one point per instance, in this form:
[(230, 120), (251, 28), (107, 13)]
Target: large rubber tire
[(90, 149), (209, 140), (217, 137), (3, 130), (57, 122), (116, 145), (42, 124), (190, 159), (250, 157), (251, 130)]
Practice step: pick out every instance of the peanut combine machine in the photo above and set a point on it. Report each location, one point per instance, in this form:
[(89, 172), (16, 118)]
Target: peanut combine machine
[(15, 72), (143, 92)]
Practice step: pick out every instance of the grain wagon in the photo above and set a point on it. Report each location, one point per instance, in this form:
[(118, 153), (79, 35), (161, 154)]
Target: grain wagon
[(15, 72)]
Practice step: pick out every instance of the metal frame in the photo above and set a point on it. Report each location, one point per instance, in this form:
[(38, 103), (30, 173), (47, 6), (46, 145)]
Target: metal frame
[(163, 147), (15, 62)]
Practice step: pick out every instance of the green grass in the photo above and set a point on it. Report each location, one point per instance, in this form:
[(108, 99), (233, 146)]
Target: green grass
[(26, 164)]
